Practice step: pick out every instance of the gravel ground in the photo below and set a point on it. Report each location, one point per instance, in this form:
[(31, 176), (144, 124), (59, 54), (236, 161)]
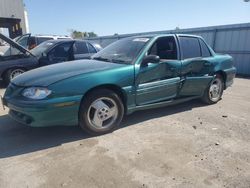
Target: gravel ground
[(187, 145)]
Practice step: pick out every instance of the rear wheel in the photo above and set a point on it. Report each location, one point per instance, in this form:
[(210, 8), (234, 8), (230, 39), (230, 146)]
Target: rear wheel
[(215, 90), (101, 112), (12, 73)]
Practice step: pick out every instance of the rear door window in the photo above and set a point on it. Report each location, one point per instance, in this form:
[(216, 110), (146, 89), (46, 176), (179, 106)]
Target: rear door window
[(91, 49), (204, 49), (80, 48), (190, 47)]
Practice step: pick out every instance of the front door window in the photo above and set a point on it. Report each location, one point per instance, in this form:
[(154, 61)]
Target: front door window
[(60, 53)]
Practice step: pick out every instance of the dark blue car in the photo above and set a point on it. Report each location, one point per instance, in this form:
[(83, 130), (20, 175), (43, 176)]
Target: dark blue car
[(15, 59)]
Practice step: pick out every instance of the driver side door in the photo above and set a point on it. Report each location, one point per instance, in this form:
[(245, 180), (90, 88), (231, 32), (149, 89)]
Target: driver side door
[(158, 82)]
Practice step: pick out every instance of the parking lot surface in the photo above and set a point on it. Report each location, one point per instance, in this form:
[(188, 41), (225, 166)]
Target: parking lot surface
[(187, 145)]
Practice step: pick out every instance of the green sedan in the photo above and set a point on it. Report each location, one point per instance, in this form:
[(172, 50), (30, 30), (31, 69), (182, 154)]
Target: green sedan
[(131, 74)]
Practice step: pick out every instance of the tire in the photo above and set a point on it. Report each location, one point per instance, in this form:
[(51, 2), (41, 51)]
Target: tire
[(12, 73), (101, 112), (214, 91)]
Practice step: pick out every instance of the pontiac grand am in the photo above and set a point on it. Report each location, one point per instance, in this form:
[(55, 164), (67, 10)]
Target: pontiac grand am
[(131, 74)]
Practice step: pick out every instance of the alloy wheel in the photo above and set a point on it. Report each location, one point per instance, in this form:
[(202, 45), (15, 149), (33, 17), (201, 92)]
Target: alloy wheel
[(215, 90), (102, 113)]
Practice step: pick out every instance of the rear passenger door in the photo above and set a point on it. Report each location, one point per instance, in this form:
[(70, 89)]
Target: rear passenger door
[(81, 50), (196, 66)]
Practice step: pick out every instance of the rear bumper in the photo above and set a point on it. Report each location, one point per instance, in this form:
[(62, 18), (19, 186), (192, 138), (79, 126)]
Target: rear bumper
[(230, 75), (45, 113)]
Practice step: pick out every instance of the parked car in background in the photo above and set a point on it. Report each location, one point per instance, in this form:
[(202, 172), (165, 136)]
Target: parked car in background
[(16, 60), (131, 74), (29, 42)]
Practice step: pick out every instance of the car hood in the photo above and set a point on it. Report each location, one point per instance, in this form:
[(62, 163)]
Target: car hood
[(48, 75), (14, 44)]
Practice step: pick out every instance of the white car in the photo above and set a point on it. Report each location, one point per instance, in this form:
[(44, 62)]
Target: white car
[(29, 42)]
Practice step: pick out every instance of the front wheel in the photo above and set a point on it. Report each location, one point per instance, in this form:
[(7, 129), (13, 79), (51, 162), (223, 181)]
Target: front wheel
[(215, 90), (12, 73), (101, 112)]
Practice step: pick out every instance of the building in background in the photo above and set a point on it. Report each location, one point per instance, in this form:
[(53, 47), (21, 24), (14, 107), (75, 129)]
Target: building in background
[(13, 17), (226, 39)]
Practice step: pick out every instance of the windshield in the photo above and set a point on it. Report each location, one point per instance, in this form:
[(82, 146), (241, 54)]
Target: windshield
[(122, 51), (37, 51)]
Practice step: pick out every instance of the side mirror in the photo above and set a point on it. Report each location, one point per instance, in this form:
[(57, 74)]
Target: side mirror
[(150, 59)]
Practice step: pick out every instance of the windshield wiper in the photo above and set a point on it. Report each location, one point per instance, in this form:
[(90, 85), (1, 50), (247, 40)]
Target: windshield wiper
[(102, 59), (120, 61)]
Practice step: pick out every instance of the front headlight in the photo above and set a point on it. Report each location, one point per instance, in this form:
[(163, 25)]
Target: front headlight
[(36, 93)]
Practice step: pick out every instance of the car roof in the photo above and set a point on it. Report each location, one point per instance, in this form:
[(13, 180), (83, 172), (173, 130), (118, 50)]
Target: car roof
[(95, 44), (52, 36), (70, 40), (187, 35), (165, 35)]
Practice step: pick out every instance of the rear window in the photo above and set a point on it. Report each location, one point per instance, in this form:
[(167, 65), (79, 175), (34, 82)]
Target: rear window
[(190, 47)]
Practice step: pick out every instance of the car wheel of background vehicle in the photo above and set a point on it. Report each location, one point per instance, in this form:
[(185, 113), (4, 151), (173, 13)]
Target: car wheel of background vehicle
[(215, 90), (101, 112), (12, 73)]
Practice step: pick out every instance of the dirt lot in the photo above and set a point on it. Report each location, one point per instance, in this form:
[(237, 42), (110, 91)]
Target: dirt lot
[(188, 145)]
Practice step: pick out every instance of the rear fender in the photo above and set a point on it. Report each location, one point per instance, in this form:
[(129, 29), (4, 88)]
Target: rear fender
[(195, 86)]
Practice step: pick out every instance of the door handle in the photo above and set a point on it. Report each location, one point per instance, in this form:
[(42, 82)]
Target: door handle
[(152, 65), (172, 69), (207, 64)]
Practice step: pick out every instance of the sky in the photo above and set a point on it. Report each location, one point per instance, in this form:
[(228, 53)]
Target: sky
[(107, 17)]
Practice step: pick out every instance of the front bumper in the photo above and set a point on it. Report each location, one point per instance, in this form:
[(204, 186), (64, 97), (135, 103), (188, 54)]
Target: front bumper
[(44, 113)]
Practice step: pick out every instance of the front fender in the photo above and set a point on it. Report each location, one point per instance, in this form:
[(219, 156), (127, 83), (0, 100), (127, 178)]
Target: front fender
[(79, 85)]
